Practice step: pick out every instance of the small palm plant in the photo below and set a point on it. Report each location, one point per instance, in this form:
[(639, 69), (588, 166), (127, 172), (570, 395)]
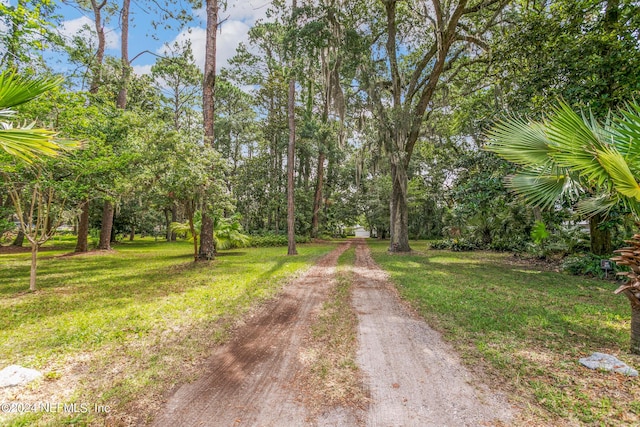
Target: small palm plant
[(227, 232), (570, 154)]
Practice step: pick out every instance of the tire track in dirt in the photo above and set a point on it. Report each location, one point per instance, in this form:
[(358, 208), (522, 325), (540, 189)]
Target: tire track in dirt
[(250, 381), (414, 378)]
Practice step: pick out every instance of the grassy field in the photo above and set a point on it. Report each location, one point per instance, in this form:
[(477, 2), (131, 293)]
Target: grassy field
[(120, 328), (525, 330)]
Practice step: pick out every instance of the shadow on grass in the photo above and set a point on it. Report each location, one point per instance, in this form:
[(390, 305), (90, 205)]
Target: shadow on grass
[(230, 253)]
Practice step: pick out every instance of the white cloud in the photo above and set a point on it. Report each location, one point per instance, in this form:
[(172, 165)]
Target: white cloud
[(197, 36), (142, 69), (237, 20), (247, 11), (231, 34), (84, 26)]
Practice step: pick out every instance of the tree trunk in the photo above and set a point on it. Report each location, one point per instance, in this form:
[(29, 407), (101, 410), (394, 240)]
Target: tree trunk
[(34, 262), (102, 43), (403, 120), (209, 82), (174, 218), (635, 328), (107, 226), (83, 229), (82, 244), (399, 219), (19, 240), (600, 239), (132, 234), (114, 234), (291, 219), (48, 225), (124, 53), (106, 230), (195, 241), (167, 222), (207, 248), (291, 152), (317, 199)]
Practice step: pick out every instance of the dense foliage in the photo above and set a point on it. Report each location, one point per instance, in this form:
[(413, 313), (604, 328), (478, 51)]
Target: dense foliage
[(362, 80)]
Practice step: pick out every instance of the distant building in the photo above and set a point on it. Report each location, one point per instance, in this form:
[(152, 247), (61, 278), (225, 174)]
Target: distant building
[(360, 231)]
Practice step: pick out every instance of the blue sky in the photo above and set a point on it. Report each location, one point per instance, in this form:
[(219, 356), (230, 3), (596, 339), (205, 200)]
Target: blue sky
[(238, 18)]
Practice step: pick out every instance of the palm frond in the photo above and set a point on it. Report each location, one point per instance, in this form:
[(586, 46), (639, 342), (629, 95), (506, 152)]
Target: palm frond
[(619, 173), (228, 233), (6, 113), (576, 141), (16, 89), (180, 227), (27, 143), (626, 128), (539, 189), (599, 205), (231, 240), (582, 156), (520, 142)]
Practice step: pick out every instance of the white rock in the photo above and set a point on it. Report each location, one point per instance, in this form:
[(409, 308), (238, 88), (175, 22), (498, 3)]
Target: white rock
[(14, 375), (608, 363)]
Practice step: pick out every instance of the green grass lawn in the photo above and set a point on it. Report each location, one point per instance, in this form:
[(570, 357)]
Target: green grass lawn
[(120, 328), (526, 330)]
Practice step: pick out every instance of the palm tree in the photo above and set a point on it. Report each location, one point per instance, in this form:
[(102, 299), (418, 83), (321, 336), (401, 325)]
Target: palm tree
[(567, 155), (25, 142)]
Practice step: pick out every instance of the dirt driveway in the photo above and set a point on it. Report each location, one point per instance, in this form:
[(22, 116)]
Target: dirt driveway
[(413, 377)]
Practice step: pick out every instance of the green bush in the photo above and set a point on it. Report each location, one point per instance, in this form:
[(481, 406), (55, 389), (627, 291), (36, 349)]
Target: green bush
[(589, 265), (509, 244), (456, 245), (539, 233), (269, 240), (438, 244)]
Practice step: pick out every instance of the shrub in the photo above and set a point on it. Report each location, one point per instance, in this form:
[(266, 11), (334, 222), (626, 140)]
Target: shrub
[(510, 244), (269, 240), (539, 233), (439, 244), (589, 265), (455, 245)]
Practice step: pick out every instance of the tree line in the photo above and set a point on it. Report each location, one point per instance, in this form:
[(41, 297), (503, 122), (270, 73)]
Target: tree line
[(337, 113)]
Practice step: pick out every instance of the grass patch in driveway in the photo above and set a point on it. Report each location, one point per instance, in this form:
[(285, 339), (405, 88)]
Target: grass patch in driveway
[(121, 328), (332, 378), (527, 328)]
